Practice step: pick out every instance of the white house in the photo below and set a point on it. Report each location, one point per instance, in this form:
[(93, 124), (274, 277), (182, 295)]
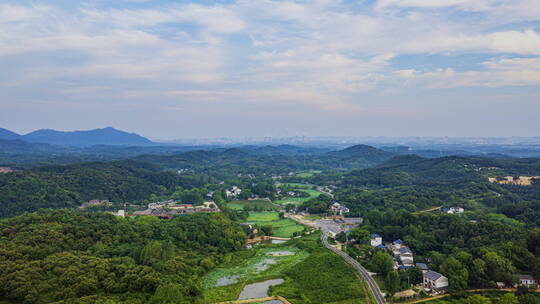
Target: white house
[(453, 210), (395, 247), (235, 191), (435, 281), (376, 240), (526, 280), (406, 256), (336, 208)]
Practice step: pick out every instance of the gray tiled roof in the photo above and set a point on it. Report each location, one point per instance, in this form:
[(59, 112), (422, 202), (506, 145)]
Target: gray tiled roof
[(525, 277), (432, 275), (422, 266)]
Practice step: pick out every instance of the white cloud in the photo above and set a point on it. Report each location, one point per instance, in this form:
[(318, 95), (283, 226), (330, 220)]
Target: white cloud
[(320, 53), (500, 72)]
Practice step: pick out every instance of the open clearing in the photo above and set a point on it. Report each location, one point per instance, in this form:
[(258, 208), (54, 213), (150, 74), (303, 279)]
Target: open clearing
[(281, 227), (308, 174), (312, 274), (259, 204), (298, 200)]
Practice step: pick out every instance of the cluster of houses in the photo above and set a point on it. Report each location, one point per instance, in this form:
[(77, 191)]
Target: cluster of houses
[(433, 282), (167, 209), (234, 191), (453, 210)]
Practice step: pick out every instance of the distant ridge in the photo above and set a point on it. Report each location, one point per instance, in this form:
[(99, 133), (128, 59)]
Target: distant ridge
[(368, 153), (105, 136), (6, 134)]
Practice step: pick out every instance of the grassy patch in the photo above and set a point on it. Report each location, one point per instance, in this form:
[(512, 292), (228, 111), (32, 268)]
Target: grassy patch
[(223, 293), (321, 278), (308, 174), (281, 227), (260, 204), (244, 265), (494, 296), (313, 217), (298, 200)]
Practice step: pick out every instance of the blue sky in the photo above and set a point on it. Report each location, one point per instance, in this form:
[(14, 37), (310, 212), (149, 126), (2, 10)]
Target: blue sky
[(185, 69)]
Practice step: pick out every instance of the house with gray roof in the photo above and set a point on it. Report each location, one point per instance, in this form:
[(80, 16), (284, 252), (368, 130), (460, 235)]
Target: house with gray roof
[(435, 281)]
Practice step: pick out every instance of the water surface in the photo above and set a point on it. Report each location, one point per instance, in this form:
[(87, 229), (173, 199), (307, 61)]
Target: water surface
[(259, 290)]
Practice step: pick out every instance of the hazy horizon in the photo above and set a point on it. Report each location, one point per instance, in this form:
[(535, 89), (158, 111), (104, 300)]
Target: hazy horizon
[(264, 68)]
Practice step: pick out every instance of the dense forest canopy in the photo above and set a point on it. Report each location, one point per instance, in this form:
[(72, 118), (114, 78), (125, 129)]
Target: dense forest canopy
[(80, 257), (68, 186)]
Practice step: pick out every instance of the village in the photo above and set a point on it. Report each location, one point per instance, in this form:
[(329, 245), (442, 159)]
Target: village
[(332, 223)]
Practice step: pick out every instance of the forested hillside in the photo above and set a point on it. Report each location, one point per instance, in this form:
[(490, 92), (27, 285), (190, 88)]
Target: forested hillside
[(471, 253), (68, 186), (266, 161), (75, 257)]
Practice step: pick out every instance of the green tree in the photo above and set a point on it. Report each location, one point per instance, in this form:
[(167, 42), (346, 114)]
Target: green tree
[(360, 235), (508, 298), (478, 299), (392, 282), (169, 294), (458, 275), (382, 263)]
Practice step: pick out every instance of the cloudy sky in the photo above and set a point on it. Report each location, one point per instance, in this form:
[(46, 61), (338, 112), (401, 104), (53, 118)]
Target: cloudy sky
[(184, 69)]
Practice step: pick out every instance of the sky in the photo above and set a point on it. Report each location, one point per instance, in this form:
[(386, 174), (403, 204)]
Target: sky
[(249, 68)]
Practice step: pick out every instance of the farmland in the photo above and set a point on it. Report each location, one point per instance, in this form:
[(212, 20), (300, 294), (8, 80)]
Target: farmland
[(312, 274), (298, 200), (262, 205), (281, 227)]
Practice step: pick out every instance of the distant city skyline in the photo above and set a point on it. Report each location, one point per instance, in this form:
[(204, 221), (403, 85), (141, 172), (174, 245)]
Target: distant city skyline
[(253, 68)]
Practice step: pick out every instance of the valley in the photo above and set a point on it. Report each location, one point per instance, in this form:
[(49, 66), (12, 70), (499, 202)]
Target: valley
[(218, 226)]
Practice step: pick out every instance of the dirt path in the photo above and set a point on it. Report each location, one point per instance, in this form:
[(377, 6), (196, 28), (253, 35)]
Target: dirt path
[(469, 291), (429, 210)]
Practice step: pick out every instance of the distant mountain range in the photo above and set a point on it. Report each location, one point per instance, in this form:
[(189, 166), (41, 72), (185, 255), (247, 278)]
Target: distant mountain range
[(105, 136)]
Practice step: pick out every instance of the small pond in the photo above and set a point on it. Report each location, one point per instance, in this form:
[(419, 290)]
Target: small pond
[(227, 280), (281, 253), (259, 290), (262, 266)]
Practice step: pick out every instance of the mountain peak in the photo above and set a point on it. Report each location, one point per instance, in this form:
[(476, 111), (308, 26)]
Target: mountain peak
[(8, 135), (104, 136)]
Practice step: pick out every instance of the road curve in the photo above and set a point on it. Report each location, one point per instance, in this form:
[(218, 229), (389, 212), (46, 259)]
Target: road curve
[(363, 272)]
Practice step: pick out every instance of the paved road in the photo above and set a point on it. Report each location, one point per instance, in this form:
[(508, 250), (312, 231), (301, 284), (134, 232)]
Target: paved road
[(371, 282)]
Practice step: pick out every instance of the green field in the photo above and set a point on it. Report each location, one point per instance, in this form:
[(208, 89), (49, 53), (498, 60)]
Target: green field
[(323, 277), (494, 296), (262, 204), (308, 174), (244, 265), (281, 227), (300, 185), (312, 275), (298, 200)]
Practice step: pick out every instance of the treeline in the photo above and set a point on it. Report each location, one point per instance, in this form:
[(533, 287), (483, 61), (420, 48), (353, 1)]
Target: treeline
[(68, 186), (77, 257)]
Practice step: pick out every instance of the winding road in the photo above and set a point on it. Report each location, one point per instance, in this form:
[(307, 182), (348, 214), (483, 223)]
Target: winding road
[(363, 272)]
